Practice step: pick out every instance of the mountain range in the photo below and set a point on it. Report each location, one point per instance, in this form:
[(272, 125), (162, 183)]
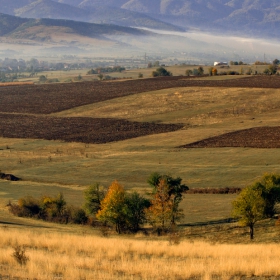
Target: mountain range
[(254, 18)]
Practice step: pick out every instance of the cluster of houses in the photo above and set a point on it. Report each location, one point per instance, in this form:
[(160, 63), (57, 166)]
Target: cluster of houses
[(34, 65)]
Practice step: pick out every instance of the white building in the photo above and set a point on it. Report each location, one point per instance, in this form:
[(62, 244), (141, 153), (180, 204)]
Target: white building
[(220, 63)]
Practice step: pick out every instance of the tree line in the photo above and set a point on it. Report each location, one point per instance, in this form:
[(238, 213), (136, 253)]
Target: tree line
[(126, 211), (129, 211)]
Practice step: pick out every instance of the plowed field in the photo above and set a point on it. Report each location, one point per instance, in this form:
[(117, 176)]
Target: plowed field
[(51, 98), (86, 130), (257, 137)]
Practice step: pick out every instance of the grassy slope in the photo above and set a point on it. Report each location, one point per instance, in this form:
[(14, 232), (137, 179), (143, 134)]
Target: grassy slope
[(80, 254), (52, 166)]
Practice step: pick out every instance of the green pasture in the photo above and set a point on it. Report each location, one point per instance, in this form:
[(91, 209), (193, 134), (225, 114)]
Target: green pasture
[(48, 167)]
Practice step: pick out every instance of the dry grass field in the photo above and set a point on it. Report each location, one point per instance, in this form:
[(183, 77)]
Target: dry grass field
[(15, 84), (85, 255)]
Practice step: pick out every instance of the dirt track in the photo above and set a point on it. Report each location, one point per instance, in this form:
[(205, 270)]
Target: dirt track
[(257, 137), (50, 98)]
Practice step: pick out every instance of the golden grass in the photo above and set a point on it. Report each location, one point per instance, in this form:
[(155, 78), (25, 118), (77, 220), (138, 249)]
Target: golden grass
[(194, 106), (73, 256), (16, 84)]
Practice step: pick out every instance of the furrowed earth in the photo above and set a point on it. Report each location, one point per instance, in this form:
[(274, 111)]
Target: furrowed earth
[(19, 102)]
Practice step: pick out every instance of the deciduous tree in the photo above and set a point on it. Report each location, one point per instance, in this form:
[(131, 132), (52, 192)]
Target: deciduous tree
[(160, 212), (175, 192), (93, 197), (135, 210), (249, 208), (160, 72), (113, 208), (269, 186)]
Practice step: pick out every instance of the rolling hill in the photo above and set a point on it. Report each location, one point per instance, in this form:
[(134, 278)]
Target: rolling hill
[(85, 12), (248, 17), (12, 26)]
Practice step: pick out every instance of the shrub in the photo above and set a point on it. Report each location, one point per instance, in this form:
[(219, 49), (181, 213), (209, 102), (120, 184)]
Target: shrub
[(29, 207), (19, 255), (77, 215), (161, 72), (231, 72), (42, 78)]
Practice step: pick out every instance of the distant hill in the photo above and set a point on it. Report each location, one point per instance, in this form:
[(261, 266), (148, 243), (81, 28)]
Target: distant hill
[(51, 9), (244, 17), (9, 23), (241, 17), (82, 11), (12, 26)]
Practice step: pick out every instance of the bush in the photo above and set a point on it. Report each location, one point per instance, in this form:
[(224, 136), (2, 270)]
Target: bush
[(42, 78), (19, 255), (28, 207), (77, 215), (232, 72), (161, 72)]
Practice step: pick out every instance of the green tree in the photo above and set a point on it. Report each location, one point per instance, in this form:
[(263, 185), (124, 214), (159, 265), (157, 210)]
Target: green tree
[(135, 210), (188, 72), (272, 69), (42, 78), (276, 61), (200, 70), (249, 208), (210, 71), (113, 209), (93, 196), (175, 191), (161, 72), (269, 186)]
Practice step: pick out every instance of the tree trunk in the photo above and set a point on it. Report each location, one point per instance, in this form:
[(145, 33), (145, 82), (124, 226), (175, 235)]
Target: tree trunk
[(251, 232)]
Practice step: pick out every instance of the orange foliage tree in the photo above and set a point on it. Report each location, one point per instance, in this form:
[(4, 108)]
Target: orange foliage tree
[(113, 207), (160, 212)]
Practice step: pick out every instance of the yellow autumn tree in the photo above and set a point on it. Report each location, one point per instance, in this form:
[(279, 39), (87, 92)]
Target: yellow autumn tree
[(160, 212), (113, 207)]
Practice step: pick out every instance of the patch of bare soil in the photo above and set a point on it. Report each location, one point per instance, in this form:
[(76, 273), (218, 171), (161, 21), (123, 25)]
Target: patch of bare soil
[(257, 137), (9, 177), (85, 130)]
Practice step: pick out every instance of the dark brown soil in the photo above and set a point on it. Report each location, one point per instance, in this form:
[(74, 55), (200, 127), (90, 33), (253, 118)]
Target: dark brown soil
[(8, 177), (50, 98), (257, 137), (85, 130)]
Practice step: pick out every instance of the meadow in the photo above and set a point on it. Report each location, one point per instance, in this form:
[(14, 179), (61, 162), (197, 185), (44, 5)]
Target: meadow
[(50, 166), (86, 255)]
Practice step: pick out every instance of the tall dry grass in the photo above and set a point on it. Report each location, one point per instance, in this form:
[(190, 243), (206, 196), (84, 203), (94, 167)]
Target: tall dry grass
[(72, 256)]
